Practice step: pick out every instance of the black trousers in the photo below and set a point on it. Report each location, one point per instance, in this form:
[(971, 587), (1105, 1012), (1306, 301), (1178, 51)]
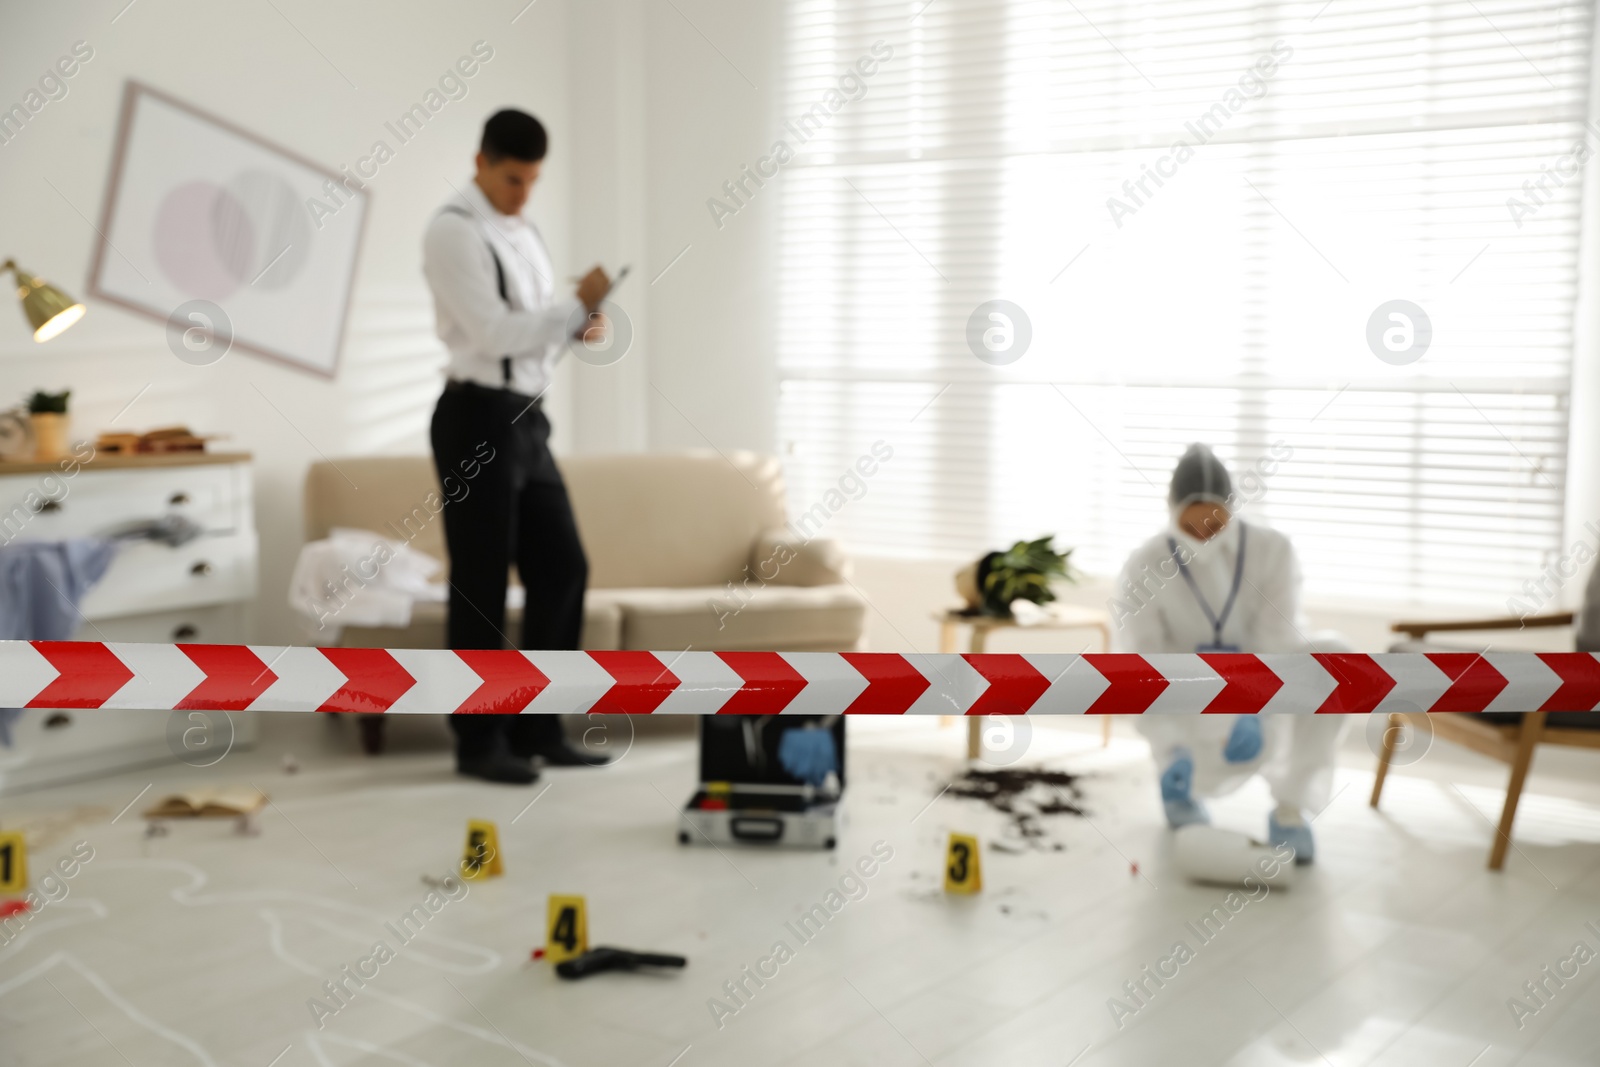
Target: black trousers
[(505, 503)]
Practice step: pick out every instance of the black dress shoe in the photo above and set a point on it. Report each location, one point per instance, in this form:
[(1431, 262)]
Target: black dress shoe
[(498, 766), (563, 754)]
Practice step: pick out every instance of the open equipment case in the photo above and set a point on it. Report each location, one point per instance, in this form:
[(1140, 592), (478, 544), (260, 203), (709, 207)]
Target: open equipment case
[(745, 795)]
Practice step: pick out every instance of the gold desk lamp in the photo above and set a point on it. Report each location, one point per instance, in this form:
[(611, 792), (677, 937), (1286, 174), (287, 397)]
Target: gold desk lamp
[(49, 310)]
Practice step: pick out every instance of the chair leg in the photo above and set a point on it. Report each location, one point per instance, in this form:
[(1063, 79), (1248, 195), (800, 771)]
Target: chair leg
[(371, 734), (1396, 724), (1527, 741)]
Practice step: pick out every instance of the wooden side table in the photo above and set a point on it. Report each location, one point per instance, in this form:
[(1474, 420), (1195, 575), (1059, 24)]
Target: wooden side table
[(1062, 617)]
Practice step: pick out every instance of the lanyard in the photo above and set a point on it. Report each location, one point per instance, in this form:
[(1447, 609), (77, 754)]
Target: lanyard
[(1233, 594)]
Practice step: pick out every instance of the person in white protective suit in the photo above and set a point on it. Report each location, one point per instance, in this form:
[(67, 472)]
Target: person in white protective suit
[(1213, 583)]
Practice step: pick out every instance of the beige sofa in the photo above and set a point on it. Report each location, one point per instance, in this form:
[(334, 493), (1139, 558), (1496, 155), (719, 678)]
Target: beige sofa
[(685, 551)]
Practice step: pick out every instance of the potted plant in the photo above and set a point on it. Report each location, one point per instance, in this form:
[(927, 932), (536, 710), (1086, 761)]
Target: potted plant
[(48, 413), (1022, 572)]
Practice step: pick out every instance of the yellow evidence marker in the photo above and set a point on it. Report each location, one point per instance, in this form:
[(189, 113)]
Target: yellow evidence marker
[(963, 872), (482, 859), (13, 862), (566, 929)]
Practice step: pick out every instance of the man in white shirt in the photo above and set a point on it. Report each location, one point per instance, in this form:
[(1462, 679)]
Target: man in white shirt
[(498, 311), (1213, 584)]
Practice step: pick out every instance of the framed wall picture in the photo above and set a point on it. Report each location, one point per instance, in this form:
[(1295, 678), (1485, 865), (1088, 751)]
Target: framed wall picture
[(207, 226)]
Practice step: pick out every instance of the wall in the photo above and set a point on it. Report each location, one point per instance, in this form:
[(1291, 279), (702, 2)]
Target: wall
[(320, 80), (713, 83)]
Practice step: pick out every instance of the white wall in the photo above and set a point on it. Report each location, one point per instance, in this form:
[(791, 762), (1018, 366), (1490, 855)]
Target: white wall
[(248, 64), (711, 107)]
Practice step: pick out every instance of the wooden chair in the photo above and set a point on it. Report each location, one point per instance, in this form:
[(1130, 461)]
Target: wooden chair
[(1512, 742)]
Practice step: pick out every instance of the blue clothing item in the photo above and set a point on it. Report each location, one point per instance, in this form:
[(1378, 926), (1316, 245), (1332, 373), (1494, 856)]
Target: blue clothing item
[(1296, 837), (41, 585), (174, 531), (1177, 793), (809, 754), (1244, 740)]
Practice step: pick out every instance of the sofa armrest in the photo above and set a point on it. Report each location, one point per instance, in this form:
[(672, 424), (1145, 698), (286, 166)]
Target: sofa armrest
[(779, 558)]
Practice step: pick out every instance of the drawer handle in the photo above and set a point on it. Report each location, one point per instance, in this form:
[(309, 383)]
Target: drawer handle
[(49, 505), (201, 569), (178, 498), (184, 632)]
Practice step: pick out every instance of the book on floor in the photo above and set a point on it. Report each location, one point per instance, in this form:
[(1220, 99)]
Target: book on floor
[(230, 801)]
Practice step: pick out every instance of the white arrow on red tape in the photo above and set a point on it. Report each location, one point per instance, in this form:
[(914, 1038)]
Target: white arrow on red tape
[(90, 674)]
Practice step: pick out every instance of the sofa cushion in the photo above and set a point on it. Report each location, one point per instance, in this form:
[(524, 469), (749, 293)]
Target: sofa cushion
[(398, 497), (826, 618), (773, 617), (679, 519), (602, 628), (676, 520), (783, 559)]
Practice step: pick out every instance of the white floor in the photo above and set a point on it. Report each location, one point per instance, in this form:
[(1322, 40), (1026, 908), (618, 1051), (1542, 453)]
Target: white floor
[(204, 947)]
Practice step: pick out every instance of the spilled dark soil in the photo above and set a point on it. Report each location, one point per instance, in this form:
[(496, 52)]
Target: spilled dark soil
[(1025, 795)]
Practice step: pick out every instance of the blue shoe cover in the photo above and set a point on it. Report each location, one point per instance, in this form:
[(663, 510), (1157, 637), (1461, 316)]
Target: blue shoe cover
[(1177, 785), (1244, 741), (1296, 837)]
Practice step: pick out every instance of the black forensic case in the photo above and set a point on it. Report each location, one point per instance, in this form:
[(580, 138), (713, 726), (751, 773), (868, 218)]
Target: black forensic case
[(747, 798)]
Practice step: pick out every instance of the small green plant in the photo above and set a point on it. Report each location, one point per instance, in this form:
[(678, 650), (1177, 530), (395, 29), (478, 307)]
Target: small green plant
[(48, 403), (1023, 572)]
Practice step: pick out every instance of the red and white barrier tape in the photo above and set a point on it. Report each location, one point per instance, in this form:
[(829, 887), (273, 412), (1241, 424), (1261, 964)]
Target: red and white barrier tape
[(90, 674)]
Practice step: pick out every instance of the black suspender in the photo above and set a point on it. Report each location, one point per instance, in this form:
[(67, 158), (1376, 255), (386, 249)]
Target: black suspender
[(500, 280)]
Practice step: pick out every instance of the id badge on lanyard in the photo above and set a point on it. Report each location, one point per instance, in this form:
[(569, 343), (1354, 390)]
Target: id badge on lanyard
[(1216, 644)]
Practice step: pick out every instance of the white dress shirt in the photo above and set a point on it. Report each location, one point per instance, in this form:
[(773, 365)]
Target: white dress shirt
[(471, 319)]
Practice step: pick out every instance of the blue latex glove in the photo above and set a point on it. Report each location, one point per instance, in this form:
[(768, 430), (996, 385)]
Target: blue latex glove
[(1244, 741), (1177, 792), (808, 754)]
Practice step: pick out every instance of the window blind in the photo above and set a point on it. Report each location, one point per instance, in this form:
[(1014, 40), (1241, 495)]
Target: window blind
[(1201, 207)]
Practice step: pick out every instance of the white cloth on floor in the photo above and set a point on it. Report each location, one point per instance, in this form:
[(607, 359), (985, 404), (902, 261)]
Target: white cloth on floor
[(1159, 612), (360, 578)]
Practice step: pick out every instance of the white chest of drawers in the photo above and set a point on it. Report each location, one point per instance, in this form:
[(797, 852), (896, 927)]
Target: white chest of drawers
[(152, 592)]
